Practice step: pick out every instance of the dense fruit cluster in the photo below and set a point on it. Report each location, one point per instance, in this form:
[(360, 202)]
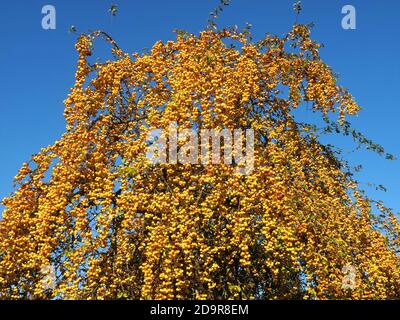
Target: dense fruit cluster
[(111, 224)]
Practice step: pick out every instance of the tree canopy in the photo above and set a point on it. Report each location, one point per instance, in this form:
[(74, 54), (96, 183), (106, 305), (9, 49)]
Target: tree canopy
[(107, 223)]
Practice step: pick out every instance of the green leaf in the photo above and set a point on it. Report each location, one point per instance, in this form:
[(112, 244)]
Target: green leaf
[(113, 10), (72, 29)]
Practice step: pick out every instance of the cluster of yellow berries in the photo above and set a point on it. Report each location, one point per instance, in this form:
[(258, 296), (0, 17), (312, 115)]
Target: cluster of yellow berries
[(112, 225)]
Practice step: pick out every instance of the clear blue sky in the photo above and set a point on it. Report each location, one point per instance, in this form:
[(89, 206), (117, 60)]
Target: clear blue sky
[(38, 66)]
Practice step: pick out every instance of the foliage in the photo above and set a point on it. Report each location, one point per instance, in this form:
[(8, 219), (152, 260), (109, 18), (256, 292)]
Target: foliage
[(115, 226), (113, 10)]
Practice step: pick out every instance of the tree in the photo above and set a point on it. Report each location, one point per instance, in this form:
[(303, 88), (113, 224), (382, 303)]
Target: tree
[(107, 223)]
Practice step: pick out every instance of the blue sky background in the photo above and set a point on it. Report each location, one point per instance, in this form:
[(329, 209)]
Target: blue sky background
[(38, 66)]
